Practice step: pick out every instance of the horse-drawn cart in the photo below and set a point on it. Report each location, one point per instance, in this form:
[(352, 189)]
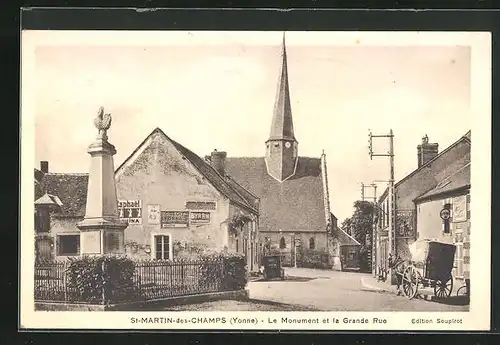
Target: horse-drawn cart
[(431, 266)]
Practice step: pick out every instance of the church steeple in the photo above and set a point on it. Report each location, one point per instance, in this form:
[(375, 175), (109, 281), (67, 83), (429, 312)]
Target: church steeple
[(282, 125), (282, 147)]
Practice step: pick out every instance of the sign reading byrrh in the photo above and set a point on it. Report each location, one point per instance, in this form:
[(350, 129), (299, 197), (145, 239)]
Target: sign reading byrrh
[(130, 211), (174, 219), (200, 217)]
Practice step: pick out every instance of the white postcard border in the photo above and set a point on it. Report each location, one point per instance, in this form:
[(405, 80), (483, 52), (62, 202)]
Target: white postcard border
[(478, 318)]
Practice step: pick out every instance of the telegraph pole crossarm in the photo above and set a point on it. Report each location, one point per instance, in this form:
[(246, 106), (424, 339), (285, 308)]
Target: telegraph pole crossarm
[(392, 198)]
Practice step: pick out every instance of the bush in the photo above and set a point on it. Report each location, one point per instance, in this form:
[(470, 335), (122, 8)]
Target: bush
[(311, 258), (234, 274), (101, 279)]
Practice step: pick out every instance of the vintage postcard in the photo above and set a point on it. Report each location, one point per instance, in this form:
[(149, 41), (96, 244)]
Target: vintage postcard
[(255, 180)]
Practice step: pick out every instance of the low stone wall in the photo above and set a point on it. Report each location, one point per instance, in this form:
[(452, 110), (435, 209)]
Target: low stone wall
[(145, 305)]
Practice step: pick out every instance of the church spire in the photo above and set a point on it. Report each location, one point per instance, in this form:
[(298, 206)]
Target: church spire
[(282, 147), (282, 124)]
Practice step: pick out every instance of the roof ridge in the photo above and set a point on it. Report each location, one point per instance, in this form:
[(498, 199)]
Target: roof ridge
[(66, 174), (352, 238), (213, 169), (440, 154), (246, 189)]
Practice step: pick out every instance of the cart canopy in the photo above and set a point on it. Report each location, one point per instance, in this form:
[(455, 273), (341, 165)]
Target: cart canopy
[(437, 257)]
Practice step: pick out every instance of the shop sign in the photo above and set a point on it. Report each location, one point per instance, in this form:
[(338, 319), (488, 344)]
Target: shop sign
[(445, 214), (201, 205), (200, 217), (174, 219), (130, 211)]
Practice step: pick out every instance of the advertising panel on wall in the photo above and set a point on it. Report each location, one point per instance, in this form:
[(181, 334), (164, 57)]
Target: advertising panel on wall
[(459, 213), (154, 214), (200, 217), (201, 205), (130, 211), (174, 219)]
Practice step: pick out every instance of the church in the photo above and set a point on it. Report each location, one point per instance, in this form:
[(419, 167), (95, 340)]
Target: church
[(293, 190)]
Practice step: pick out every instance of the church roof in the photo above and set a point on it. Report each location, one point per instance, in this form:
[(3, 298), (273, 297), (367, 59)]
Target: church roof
[(294, 205), (282, 123), (226, 187)]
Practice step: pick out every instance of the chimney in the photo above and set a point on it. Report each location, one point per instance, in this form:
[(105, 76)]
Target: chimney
[(44, 167), (218, 161), (426, 151)]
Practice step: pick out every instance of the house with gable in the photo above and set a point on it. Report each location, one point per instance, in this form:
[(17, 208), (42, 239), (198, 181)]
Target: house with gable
[(441, 180), (172, 200), (293, 190)]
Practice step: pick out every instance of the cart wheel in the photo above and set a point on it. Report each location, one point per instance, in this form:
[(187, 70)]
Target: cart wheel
[(443, 289), (410, 282), (462, 291)]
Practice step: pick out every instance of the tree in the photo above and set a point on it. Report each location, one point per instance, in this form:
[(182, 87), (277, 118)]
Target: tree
[(361, 224), (346, 225)]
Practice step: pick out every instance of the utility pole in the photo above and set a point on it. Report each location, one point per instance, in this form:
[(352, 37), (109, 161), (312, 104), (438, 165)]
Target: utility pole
[(371, 252), (392, 199)]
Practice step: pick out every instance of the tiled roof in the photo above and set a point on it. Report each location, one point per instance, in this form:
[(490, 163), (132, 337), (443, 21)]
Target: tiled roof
[(466, 137), (221, 184), (293, 205), (345, 239), (38, 175), (458, 180), (245, 193), (71, 189), (48, 199)]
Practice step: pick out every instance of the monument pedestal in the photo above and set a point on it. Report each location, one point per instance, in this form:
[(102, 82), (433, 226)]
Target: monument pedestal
[(102, 231)]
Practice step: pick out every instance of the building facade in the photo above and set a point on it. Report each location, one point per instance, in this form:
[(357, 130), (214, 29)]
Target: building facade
[(452, 193), (293, 190), (172, 199), (414, 218)]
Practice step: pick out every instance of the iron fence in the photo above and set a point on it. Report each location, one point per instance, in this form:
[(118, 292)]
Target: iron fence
[(151, 280)]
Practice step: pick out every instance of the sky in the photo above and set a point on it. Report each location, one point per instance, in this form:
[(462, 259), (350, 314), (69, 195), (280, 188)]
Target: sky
[(220, 96)]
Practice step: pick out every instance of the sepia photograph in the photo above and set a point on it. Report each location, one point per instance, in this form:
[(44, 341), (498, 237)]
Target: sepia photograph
[(188, 179)]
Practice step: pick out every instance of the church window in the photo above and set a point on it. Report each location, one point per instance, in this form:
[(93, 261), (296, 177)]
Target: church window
[(312, 245), (282, 243)]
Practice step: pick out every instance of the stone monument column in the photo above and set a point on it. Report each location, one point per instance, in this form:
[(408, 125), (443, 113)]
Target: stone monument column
[(102, 231)]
